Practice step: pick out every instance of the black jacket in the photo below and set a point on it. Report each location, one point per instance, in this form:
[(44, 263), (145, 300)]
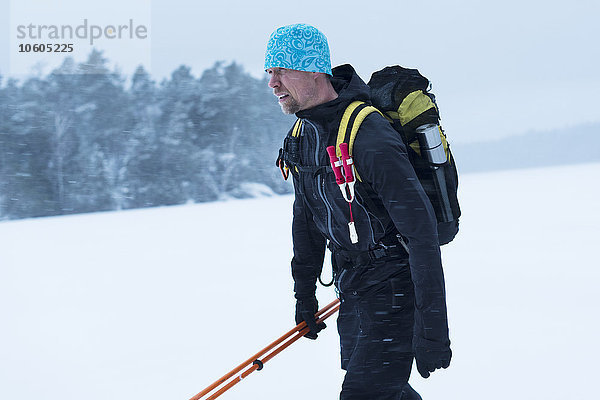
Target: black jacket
[(389, 200)]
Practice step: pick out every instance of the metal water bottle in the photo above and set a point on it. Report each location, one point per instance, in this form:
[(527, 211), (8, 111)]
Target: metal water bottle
[(430, 142), (432, 149)]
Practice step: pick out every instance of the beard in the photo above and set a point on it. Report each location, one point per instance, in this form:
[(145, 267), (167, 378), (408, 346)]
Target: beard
[(290, 106)]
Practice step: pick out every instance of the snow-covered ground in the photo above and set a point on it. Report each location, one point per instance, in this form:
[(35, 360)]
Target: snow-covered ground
[(158, 303)]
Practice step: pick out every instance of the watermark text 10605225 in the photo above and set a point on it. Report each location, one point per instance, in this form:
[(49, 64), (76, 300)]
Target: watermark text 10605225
[(46, 48), (44, 35)]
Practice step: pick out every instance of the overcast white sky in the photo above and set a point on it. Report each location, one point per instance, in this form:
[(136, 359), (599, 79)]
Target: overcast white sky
[(498, 68)]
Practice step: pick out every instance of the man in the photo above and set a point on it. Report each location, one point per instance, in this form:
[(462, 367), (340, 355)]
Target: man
[(390, 281)]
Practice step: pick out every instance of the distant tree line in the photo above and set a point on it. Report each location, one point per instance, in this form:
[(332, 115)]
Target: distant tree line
[(82, 140)]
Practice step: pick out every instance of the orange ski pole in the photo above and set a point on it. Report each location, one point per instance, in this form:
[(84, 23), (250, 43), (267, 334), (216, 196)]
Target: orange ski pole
[(257, 364)]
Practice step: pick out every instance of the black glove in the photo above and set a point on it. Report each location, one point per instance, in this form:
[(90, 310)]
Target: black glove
[(305, 311), (431, 355)]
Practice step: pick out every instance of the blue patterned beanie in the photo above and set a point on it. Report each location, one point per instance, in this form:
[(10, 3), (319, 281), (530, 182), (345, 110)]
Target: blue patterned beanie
[(301, 47)]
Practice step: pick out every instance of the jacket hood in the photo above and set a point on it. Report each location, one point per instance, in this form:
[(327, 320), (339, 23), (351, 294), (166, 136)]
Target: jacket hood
[(349, 87)]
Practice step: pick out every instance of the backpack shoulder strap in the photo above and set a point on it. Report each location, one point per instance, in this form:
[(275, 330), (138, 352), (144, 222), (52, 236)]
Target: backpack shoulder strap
[(291, 137), (296, 128), (353, 117)]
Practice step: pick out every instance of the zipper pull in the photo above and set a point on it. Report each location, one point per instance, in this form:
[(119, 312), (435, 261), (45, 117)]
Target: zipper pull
[(353, 233)]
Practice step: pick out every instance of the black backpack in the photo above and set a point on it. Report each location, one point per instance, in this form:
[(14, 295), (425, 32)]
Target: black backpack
[(402, 96)]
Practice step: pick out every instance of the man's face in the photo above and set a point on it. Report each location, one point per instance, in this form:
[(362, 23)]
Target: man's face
[(296, 90)]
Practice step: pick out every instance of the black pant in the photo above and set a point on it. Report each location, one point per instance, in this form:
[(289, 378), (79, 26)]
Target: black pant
[(376, 329)]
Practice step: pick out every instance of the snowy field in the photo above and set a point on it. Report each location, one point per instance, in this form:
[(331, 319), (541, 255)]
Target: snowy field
[(156, 304)]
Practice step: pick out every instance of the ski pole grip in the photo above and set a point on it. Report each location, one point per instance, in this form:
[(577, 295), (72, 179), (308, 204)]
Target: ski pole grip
[(336, 165), (347, 162)]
